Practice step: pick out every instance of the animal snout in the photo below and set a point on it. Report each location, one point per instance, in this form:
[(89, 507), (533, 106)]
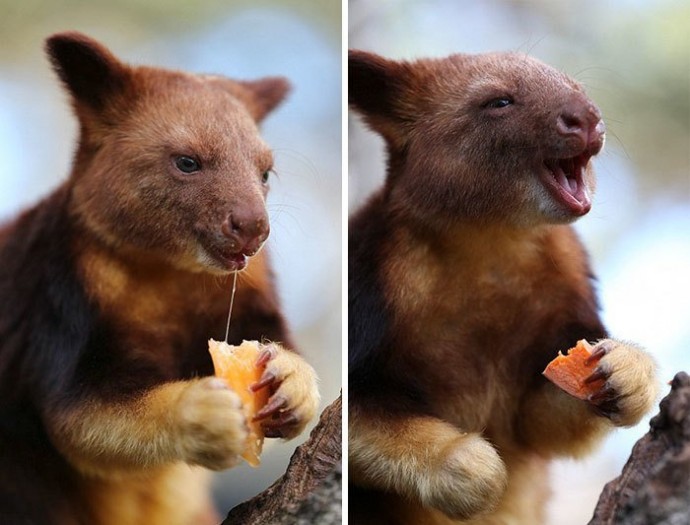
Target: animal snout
[(246, 230), (582, 120)]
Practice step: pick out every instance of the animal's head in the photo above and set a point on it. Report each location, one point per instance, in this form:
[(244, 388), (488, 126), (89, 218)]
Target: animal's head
[(494, 137), (168, 163)]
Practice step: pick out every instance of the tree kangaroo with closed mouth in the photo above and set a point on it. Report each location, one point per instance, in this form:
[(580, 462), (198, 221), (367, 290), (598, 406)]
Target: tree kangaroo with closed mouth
[(112, 286)]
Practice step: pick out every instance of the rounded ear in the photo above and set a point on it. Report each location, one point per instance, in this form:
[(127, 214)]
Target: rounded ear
[(88, 70), (374, 83), (266, 93), (379, 89)]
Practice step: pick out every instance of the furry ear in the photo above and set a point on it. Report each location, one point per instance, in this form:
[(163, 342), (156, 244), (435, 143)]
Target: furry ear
[(378, 88), (266, 94), (375, 84), (89, 71)]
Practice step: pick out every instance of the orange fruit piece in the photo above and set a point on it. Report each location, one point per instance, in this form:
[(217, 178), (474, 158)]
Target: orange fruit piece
[(568, 372), (237, 365)]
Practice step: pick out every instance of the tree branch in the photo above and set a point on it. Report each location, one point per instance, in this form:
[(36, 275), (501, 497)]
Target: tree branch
[(654, 487), (310, 491)]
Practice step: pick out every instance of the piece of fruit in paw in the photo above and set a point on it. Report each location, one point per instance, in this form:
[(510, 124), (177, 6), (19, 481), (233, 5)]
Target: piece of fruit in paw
[(568, 372), (237, 365)]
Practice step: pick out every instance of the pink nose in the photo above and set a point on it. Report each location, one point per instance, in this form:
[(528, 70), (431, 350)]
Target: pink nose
[(582, 120), (246, 230)]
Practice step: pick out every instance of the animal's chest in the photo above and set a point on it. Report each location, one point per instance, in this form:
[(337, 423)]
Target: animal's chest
[(156, 329), (475, 306), (479, 304), (177, 351), (465, 326), (175, 495)]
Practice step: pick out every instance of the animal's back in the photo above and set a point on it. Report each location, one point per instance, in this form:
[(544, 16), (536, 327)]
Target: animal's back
[(36, 482)]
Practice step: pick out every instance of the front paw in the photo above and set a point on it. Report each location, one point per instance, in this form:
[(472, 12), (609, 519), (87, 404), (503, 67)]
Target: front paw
[(469, 479), (211, 429), (630, 386), (294, 394)]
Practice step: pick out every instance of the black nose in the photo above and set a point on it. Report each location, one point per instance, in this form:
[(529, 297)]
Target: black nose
[(582, 120), (246, 229)]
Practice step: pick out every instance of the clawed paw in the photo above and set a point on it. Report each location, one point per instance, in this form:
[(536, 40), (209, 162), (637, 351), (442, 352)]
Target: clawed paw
[(211, 427), (628, 385), (294, 395), (605, 400)]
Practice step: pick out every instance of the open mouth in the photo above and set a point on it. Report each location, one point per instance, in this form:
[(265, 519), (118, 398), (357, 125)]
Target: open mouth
[(232, 262), (565, 179)]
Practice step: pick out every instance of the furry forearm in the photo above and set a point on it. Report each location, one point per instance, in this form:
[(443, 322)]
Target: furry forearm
[(100, 437), (428, 460), (200, 422)]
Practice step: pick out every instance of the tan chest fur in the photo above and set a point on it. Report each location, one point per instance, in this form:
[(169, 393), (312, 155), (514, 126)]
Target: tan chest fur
[(175, 495), (156, 310), (474, 303), (155, 303)]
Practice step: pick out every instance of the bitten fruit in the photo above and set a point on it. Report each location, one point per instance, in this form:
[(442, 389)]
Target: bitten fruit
[(237, 365), (568, 372)]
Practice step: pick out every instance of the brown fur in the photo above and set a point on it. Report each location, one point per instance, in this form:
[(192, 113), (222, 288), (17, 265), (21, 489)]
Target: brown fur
[(154, 499), (465, 282), (119, 279)]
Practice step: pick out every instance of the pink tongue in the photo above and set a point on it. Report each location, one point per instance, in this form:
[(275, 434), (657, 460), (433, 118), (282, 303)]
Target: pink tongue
[(572, 185)]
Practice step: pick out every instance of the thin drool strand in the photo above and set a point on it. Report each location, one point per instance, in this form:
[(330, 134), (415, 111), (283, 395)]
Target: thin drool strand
[(232, 301)]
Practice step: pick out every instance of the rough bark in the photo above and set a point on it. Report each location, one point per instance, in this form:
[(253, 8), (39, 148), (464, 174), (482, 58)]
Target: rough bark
[(654, 488), (310, 491)]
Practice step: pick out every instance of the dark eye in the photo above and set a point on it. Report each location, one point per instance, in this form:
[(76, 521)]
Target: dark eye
[(497, 103), (265, 175), (187, 164)]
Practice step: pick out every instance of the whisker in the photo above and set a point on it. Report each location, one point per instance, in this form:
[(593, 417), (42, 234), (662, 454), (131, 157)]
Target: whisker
[(597, 68), (625, 153), (609, 119), (295, 155), (531, 47), (539, 41), (282, 206)]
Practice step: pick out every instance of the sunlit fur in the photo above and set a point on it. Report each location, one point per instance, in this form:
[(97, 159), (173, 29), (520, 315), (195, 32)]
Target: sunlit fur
[(465, 281)]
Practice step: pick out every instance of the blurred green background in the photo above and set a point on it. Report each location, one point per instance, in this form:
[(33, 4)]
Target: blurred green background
[(633, 56), (242, 39)]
